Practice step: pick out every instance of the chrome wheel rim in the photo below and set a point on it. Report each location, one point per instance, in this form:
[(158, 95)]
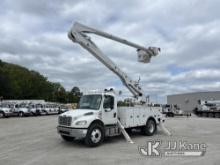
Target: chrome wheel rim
[(96, 135), (151, 127)]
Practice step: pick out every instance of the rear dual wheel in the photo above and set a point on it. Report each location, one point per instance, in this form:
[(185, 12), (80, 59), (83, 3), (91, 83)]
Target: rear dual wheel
[(150, 128)]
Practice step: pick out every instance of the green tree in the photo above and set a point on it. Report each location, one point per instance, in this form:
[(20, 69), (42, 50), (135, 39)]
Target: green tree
[(17, 82), (75, 91)]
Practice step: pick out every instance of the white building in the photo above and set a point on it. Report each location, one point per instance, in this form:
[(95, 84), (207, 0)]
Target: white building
[(188, 101)]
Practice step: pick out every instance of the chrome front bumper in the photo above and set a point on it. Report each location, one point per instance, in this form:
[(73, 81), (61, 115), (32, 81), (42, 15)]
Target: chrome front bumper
[(77, 133)]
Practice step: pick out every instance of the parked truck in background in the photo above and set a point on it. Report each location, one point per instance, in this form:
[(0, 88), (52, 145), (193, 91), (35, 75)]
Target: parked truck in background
[(208, 108), (5, 110), (172, 110), (21, 110)]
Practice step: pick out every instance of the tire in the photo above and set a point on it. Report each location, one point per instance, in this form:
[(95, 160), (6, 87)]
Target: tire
[(45, 112), (204, 114), (2, 114), (217, 115), (67, 138), (95, 135), (33, 114), (211, 115), (21, 114), (170, 114), (38, 113), (150, 128)]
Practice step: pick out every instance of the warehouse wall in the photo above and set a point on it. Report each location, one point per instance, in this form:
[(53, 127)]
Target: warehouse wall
[(189, 101)]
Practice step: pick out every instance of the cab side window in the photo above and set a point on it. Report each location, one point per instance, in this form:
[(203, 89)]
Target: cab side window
[(108, 102)]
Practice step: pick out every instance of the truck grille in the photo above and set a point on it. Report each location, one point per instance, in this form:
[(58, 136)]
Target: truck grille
[(65, 120)]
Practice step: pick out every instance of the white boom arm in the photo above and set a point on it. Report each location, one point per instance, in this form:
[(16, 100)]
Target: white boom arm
[(78, 34)]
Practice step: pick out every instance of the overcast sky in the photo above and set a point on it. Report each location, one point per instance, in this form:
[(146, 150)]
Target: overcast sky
[(34, 34)]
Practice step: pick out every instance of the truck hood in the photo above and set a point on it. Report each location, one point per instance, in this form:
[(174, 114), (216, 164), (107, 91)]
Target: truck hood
[(5, 109), (79, 112)]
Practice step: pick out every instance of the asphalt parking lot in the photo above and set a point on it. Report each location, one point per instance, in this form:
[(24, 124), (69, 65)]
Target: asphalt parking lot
[(33, 140)]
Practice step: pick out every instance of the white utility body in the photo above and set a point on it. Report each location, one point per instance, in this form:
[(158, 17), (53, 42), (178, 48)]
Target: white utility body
[(136, 116), (97, 115)]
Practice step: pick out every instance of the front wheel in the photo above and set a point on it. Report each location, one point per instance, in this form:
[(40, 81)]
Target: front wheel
[(95, 135), (150, 128), (21, 114), (2, 114)]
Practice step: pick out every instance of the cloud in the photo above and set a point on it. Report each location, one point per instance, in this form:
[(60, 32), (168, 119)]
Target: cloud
[(34, 35)]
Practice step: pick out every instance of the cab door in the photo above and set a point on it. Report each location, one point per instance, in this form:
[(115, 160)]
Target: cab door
[(109, 111)]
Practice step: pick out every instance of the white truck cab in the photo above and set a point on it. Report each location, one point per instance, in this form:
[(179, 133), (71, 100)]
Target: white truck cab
[(5, 110), (21, 109), (97, 117), (33, 109)]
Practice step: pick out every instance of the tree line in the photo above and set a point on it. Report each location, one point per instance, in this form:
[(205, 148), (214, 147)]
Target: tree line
[(17, 82)]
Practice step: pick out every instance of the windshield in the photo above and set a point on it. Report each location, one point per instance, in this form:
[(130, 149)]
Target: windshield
[(39, 106), (90, 102), (23, 106), (4, 106)]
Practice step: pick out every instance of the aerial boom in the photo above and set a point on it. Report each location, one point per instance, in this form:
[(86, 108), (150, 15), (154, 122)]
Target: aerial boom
[(78, 34)]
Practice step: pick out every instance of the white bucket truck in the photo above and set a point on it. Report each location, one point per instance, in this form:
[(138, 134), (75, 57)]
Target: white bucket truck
[(97, 115)]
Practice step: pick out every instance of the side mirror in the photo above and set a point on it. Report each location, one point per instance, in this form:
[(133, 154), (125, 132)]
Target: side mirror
[(108, 109)]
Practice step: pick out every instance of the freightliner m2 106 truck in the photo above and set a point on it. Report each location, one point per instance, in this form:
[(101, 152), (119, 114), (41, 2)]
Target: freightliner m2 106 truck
[(97, 115)]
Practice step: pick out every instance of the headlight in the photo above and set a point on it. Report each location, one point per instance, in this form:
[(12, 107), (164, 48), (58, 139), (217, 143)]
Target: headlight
[(82, 122)]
